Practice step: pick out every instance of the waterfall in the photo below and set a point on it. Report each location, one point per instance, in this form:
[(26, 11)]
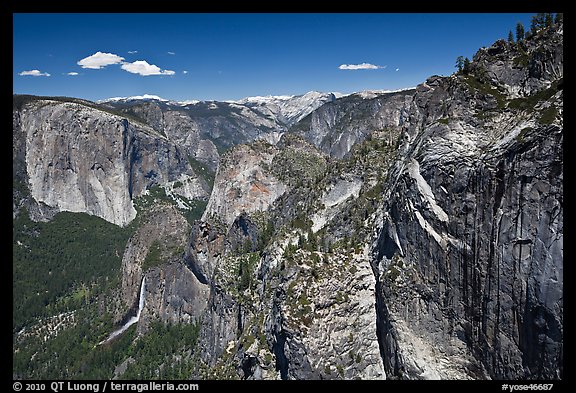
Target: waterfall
[(141, 301), (132, 320)]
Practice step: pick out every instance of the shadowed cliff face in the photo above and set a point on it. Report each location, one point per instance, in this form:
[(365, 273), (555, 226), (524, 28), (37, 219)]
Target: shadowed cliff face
[(470, 254), (484, 264), (337, 126), (180, 128)]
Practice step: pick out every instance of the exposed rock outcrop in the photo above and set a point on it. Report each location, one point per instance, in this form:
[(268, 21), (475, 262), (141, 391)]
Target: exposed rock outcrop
[(76, 158), (524, 68), (337, 126), (161, 238), (470, 253), (173, 295), (323, 323), (82, 159), (244, 183)]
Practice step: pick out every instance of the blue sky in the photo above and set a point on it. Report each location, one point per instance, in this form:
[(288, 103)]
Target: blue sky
[(231, 56)]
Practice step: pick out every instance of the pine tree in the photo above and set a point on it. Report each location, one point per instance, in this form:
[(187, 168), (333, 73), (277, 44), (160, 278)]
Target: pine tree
[(510, 37), (539, 21), (459, 63), (519, 32), (559, 18), (466, 66), (548, 20), (534, 24), (312, 241)]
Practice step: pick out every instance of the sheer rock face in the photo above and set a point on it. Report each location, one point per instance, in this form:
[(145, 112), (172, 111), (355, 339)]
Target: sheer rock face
[(244, 183), (220, 319), (337, 126), (173, 293), (75, 160), (186, 132), (470, 254), (82, 159)]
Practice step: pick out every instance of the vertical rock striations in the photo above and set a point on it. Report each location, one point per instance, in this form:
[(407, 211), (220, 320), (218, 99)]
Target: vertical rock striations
[(83, 159), (470, 251)]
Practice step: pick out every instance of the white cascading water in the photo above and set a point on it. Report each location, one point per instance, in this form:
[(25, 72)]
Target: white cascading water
[(132, 320)]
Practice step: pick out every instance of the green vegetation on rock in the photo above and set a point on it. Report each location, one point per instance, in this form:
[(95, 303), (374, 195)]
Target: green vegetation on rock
[(203, 171), (548, 115), (153, 257), (296, 165), (529, 102), (476, 84), (157, 195)]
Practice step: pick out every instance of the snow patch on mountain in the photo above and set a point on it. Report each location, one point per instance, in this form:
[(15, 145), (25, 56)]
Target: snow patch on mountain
[(184, 103), (133, 98), (369, 94), (276, 111), (288, 109), (262, 99)]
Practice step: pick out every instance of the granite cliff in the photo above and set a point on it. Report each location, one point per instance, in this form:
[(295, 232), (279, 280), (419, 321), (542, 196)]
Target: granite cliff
[(415, 234)]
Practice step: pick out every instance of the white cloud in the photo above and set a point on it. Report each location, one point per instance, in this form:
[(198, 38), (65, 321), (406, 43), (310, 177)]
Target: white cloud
[(33, 73), (132, 52), (171, 53), (142, 67), (397, 69), (72, 73), (184, 72), (362, 66), (100, 60)]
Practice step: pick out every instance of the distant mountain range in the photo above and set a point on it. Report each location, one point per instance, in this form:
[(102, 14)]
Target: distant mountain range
[(289, 108)]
